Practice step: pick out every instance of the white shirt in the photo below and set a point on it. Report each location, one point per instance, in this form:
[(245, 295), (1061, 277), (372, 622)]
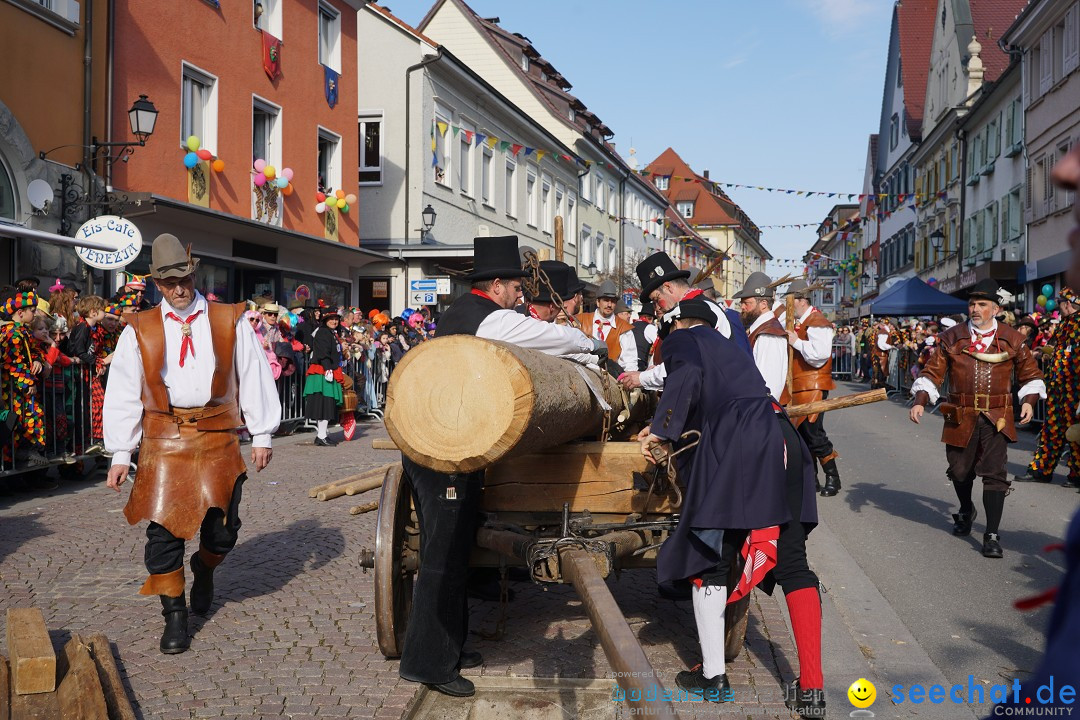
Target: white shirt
[(653, 378), (607, 323), (188, 386), (528, 332), (770, 356), (883, 342), (924, 384), (628, 358), (816, 349)]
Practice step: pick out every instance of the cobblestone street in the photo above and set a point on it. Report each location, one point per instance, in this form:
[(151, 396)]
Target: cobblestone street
[(292, 628)]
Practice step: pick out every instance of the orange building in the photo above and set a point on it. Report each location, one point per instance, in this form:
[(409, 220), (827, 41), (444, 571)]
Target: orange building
[(208, 71), (49, 104)]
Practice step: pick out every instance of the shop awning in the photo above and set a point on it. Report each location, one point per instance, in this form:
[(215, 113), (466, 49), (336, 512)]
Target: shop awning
[(18, 231)]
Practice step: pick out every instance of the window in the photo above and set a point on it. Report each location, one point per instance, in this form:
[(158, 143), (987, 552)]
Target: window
[(1070, 50), (329, 37), (613, 200), (600, 254), (662, 182), (7, 193), (524, 62), (570, 221), (546, 209), (586, 246), (613, 257), (1014, 128), (329, 160), (443, 149), (1045, 54), (487, 180), (571, 114), (560, 203), (370, 131), (265, 132), (600, 202), (1012, 224), (269, 20), (1059, 50), (899, 73), (1067, 201), (465, 146), (510, 187), (530, 196), (894, 131), (586, 187), (198, 107), (685, 208)]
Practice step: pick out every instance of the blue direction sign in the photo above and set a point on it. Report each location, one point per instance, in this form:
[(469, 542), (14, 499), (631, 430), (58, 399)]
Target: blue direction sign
[(429, 285)]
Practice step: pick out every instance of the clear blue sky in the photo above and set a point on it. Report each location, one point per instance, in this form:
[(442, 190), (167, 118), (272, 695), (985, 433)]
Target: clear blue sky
[(780, 93)]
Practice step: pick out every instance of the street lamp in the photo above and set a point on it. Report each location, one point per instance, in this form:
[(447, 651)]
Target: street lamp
[(937, 239), (428, 216), (142, 117)]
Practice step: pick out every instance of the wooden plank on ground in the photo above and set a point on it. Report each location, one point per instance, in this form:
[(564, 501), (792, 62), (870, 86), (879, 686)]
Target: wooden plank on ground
[(42, 706), (5, 693), (380, 471), (598, 477), (80, 692), (33, 660), (383, 444), (116, 699)]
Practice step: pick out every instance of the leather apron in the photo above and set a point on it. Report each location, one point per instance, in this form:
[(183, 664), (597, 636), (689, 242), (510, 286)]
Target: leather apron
[(189, 459)]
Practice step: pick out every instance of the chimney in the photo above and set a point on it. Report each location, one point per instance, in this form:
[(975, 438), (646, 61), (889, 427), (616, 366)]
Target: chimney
[(706, 174)]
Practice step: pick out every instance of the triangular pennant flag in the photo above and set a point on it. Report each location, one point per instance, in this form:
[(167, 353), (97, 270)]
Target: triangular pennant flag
[(442, 127), (529, 151), (468, 136), (492, 141), (540, 155), (515, 148), (480, 137), (455, 128), (504, 145)]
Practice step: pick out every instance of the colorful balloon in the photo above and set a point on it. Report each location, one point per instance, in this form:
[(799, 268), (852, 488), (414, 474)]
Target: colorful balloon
[(320, 208), (339, 194), (1041, 301), (345, 209), (260, 179), (219, 165), (287, 173), (281, 183), (320, 197), (193, 143), (191, 160), (1051, 305), (269, 172), (259, 165), (204, 154), (350, 199), (287, 190), (1048, 290)]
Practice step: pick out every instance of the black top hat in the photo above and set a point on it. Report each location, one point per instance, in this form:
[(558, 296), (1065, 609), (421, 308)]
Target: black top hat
[(647, 308), (576, 284), (29, 280), (656, 270), (496, 257), (559, 273), (695, 307), (985, 289)]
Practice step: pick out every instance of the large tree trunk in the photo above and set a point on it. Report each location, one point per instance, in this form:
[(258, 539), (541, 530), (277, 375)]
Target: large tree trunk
[(460, 403)]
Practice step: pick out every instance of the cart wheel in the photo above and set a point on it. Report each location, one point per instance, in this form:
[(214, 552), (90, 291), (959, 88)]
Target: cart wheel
[(396, 560), (735, 617)]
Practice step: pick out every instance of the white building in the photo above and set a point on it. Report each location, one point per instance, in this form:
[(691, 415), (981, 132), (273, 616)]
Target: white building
[(438, 135)]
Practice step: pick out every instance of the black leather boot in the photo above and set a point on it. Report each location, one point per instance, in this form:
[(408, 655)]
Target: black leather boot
[(807, 703), (832, 479), (202, 586), (962, 522), (175, 638)]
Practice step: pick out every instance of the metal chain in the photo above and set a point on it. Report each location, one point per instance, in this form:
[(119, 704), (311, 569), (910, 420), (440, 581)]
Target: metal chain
[(532, 285)]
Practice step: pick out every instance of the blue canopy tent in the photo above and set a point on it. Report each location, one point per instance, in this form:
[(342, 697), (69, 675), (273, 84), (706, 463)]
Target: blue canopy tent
[(914, 297)]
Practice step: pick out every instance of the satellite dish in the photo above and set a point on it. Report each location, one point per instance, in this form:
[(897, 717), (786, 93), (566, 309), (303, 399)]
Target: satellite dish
[(40, 194)]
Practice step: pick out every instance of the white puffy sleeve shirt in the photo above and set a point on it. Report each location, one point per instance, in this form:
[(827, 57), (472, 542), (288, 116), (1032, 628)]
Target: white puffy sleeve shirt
[(654, 377), (188, 386), (816, 349)]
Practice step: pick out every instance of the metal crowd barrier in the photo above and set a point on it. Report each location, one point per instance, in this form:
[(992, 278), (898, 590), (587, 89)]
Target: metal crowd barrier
[(64, 398), (843, 360)]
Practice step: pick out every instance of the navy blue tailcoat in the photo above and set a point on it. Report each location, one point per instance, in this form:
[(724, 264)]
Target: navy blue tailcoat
[(735, 478)]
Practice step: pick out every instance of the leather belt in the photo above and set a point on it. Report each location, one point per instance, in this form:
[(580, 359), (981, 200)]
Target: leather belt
[(980, 401), (191, 416)]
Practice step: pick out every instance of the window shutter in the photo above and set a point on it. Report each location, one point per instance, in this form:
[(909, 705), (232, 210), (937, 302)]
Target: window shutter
[(1006, 212), (997, 135), (1016, 209), (993, 230), (1028, 204), (1071, 51), (1046, 62)]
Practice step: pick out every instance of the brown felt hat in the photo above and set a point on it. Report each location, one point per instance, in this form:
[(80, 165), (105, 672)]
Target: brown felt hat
[(169, 259)]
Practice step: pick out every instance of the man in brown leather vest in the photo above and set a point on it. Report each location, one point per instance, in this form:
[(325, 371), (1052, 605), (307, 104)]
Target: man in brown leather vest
[(603, 324), (979, 358), (185, 376), (811, 379), (768, 340)]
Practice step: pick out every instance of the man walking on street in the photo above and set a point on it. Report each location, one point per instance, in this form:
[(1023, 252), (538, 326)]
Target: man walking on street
[(979, 358), (182, 375)]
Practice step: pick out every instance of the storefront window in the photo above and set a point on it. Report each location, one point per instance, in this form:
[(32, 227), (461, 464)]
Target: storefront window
[(213, 280), (312, 290), (7, 194), (49, 262)]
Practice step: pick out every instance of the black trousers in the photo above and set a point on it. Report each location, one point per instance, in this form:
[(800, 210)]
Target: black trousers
[(985, 455), (439, 622), (165, 552), (792, 571), (814, 434)]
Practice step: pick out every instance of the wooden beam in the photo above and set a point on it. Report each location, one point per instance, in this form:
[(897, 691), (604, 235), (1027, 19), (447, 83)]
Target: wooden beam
[(116, 699), (366, 507), (33, 660), (80, 692), (383, 444), (379, 471), (5, 692)]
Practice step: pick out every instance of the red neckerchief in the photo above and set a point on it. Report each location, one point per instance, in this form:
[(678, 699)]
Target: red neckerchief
[(186, 343), (693, 294), (977, 344), (532, 312), (483, 294)]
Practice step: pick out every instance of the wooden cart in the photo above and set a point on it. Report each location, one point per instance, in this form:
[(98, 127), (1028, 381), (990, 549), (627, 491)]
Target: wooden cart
[(575, 513)]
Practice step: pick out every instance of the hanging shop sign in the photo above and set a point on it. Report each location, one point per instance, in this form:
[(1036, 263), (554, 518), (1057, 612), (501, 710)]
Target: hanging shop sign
[(120, 234)]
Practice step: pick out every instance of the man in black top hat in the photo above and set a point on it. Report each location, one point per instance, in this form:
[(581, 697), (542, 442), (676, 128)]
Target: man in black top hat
[(447, 505), (543, 305), (28, 283)]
